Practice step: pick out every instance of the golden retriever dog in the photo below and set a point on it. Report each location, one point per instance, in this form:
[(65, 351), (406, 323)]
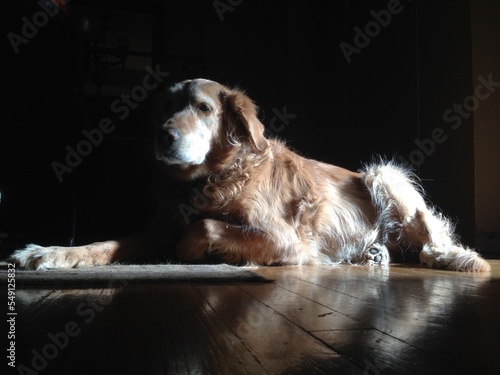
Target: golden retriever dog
[(232, 195)]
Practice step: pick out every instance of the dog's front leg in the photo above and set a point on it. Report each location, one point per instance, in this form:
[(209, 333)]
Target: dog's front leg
[(94, 254), (195, 245), (215, 240)]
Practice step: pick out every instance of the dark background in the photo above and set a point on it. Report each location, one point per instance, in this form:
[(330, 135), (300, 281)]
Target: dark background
[(283, 53)]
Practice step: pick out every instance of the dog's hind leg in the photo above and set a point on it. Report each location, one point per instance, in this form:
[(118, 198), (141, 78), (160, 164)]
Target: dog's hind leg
[(441, 249), (405, 218)]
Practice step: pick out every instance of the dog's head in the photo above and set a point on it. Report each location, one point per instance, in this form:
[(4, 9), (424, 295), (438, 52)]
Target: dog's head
[(202, 123)]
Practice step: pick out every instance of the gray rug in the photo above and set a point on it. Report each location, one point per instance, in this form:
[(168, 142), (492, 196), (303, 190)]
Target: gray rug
[(117, 275)]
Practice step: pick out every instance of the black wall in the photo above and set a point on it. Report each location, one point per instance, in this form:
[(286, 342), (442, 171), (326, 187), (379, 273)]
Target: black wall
[(285, 54)]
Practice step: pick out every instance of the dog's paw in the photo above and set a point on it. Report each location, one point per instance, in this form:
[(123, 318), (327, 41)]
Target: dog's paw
[(376, 254), (34, 257)]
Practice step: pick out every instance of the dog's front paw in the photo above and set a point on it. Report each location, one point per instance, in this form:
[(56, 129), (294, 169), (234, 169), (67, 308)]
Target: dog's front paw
[(34, 257)]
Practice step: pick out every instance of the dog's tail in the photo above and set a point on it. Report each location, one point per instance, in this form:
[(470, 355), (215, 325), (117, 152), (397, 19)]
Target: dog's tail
[(406, 220)]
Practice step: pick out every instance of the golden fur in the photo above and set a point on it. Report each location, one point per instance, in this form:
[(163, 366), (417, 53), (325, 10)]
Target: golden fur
[(233, 195)]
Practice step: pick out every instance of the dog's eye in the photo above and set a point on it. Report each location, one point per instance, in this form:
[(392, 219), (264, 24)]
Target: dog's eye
[(204, 107)]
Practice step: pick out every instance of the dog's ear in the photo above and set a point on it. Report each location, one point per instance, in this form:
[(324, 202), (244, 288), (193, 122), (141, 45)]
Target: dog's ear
[(240, 113)]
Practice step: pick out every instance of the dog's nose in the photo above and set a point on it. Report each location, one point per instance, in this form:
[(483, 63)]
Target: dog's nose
[(172, 135)]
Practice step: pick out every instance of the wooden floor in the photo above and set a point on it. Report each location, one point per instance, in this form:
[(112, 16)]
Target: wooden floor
[(311, 320)]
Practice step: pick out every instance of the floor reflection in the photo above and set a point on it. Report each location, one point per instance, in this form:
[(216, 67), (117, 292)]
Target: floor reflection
[(324, 320)]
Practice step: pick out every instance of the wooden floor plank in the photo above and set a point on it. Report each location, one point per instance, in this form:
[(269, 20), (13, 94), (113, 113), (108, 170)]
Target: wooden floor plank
[(320, 320), (422, 311), (271, 337), (142, 330), (303, 312), (378, 353)]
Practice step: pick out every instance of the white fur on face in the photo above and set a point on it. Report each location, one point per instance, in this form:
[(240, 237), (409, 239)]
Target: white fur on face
[(190, 149)]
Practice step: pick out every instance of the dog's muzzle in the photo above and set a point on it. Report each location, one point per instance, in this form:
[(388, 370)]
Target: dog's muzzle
[(173, 147), (167, 141)]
